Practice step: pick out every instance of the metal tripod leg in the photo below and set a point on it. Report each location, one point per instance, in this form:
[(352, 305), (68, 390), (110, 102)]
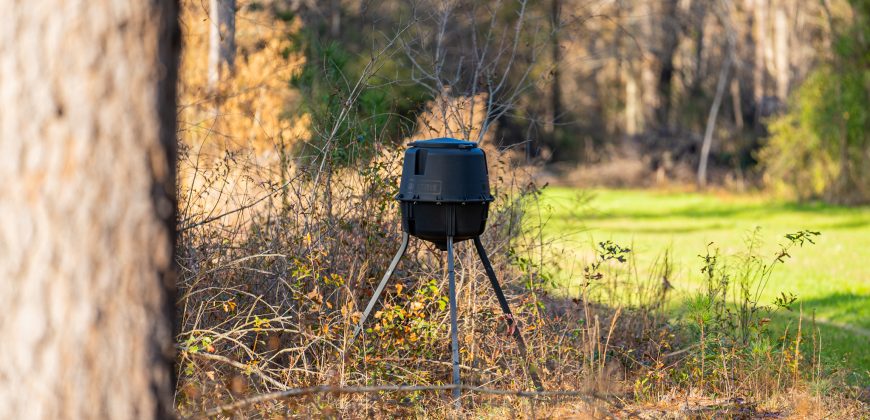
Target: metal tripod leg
[(454, 329), (381, 286), (512, 325)]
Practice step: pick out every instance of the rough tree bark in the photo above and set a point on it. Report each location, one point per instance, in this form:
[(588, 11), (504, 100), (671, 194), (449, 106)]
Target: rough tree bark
[(222, 40), (87, 210)]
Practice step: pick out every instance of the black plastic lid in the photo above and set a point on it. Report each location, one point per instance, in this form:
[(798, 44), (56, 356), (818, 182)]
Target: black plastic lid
[(444, 171), (443, 143)]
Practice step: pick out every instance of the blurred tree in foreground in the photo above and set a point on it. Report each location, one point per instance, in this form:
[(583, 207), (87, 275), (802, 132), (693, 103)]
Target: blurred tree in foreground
[(820, 147), (88, 208)]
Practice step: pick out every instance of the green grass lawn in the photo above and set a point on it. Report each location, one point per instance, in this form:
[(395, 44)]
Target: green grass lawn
[(830, 278)]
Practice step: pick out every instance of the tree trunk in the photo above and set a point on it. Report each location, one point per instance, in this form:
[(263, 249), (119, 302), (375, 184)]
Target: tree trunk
[(737, 109), (781, 45), (555, 85), (670, 31), (699, 14), (222, 40), (760, 70), (335, 19), (87, 135), (711, 121), (633, 119), (648, 77)]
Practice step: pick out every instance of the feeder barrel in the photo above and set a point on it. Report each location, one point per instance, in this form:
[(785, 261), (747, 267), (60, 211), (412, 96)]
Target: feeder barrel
[(444, 190)]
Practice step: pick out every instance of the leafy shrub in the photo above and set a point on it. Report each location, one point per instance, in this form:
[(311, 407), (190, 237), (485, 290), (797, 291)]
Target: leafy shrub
[(820, 147)]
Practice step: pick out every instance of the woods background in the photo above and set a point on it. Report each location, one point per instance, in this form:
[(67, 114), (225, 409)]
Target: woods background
[(616, 92)]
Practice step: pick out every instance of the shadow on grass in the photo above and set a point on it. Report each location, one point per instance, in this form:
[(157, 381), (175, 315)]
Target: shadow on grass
[(724, 209), (840, 347), (844, 348), (685, 212), (670, 229), (849, 305), (851, 224), (820, 207)]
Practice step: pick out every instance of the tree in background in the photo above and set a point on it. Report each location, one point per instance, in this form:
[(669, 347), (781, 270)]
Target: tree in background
[(820, 147), (391, 62), (587, 81), (353, 66), (725, 17), (87, 208), (222, 40)]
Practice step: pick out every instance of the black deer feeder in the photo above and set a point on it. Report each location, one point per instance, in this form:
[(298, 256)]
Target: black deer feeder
[(444, 197)]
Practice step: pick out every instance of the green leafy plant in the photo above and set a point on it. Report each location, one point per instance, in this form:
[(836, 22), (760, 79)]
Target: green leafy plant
[(818, 149)]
